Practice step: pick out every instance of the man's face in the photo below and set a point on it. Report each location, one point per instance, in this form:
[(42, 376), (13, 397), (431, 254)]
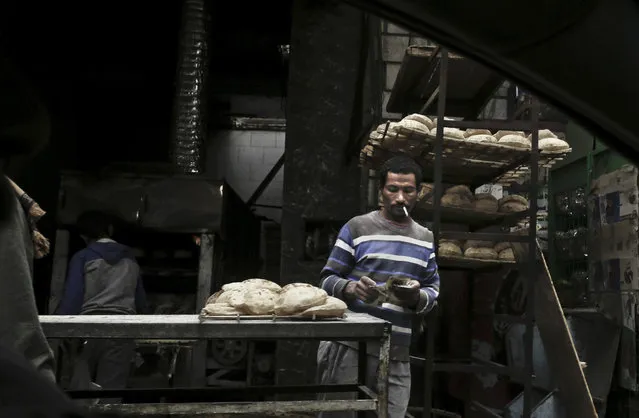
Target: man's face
[(399, 191)]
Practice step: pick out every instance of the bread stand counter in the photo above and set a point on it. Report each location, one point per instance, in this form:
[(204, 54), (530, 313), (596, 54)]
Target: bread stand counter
[(353, 327)]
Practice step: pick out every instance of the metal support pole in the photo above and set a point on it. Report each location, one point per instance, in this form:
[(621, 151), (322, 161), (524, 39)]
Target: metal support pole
[(532, 260), (437, 214), (60, 262), (204, 283), (373, 189), (383, 373)]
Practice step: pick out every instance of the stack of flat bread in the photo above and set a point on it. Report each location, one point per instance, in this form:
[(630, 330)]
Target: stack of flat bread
[(406, 136), (513, 203), (485, 202), (549, 142), (480, 136), (263, 297), (482, 250), (415, 124), (449, 133), (450, 248), (504, 251), (458, 196), (387, 136), (514, 139)]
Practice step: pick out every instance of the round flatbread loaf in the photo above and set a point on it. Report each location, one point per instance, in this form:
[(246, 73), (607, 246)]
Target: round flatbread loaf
[(507, 255), (413, 126), (332, 308), (514, 141), (473, 132), (449, 133), (485, 202), (213, 298), (500, 134), (232, 286), (219, 309), (481, 253), (299, 299), (235, 297), (482, 139), (513, 198), (501, 246), (512, 207), (460, 189), (456, 242), (473, 243), (553, 145), (486, 196), (426, 189), (294, 285), (376, 136), (448, 249), (256, 283), (543, 134), (424, 120), (258, 301), (392, 128), (456, 200)]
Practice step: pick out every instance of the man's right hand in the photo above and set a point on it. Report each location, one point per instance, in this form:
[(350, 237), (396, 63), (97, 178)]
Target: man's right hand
[(363, 289)]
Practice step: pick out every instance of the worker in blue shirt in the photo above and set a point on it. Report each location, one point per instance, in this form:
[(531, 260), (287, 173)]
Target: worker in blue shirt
[(103, 279)]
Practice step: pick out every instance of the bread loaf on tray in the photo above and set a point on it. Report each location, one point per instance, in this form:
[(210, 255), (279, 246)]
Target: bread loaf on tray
[(259, 297)]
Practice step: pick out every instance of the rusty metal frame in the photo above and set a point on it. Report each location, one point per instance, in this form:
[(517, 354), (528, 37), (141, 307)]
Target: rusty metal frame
[(355, 327), (259, 408)]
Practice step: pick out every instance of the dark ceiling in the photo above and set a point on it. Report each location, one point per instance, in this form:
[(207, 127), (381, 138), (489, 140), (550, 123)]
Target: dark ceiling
[(107, 69)]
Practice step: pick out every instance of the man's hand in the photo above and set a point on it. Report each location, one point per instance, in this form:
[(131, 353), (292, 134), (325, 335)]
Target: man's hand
[(363, 289), (408, 295)]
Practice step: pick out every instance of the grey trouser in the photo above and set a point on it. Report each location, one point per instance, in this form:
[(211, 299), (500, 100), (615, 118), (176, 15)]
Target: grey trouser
[(105, 362), (337, 364)]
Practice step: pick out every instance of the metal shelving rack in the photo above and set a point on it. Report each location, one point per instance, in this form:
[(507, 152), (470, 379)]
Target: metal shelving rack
[(508, 168), (533, 125)]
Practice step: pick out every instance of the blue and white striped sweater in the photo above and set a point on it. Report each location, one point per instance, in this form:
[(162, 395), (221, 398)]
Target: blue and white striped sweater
[(370, 245)]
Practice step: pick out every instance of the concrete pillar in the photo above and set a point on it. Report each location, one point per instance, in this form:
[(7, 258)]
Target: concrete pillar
[(323, 73)]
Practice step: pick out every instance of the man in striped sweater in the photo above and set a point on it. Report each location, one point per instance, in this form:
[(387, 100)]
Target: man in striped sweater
[(370, 249)]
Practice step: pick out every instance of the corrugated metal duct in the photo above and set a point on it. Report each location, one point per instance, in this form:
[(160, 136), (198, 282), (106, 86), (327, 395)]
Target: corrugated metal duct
[(189, 127)]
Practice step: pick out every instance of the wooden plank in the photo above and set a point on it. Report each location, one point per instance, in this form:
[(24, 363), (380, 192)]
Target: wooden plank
[(562, 357)]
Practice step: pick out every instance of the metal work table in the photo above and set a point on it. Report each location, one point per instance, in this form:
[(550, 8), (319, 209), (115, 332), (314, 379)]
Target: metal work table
[(354, 327)]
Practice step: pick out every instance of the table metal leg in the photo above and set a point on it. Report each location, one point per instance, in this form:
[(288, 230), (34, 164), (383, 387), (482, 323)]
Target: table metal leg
[(428, 366), (362, 369), (382, 373)]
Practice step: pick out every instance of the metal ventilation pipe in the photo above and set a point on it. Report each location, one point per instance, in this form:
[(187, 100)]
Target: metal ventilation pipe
[(189, 128)]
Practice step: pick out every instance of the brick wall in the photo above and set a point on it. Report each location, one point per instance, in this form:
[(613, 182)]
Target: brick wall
[(244, 158)]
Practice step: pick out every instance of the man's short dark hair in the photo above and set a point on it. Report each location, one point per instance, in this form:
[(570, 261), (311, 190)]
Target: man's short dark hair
[(94, 224), (400, 164)]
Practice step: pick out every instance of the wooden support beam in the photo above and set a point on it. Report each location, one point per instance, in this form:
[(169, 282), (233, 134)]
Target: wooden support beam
[(556, 337)]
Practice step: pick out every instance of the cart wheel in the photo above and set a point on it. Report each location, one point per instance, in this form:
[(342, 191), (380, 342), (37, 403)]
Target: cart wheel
[(229, 352)]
